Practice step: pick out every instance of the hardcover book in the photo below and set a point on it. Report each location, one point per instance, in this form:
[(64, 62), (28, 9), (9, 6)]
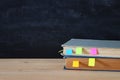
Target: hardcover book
[(84, 54)]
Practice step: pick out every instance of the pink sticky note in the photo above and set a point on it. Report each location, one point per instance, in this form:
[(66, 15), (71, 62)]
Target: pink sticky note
[(93, 51)]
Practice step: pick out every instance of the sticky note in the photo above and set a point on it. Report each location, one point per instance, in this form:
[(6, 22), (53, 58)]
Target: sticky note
[(69, 51), (75, 64), (91, 62), (93, 51), (79, 50)]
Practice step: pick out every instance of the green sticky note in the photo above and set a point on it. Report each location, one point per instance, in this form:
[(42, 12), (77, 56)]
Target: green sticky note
[(79, 50), (91, 62)]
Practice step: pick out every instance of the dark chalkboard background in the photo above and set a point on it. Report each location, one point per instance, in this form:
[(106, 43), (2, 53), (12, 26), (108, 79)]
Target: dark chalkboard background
[(37, 28)]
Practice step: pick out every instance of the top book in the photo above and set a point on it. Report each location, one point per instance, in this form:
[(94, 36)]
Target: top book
[(89, 47)]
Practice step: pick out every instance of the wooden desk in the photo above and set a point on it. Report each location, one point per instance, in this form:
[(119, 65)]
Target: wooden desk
[(48, 69)]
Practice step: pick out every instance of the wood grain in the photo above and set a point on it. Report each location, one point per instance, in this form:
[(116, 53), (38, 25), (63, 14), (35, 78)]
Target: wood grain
[(47, 69), (100, 63)]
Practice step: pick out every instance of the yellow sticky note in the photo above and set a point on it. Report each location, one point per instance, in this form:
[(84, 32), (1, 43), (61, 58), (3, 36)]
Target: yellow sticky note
[(91, 62), (75, 64), (79, 50)]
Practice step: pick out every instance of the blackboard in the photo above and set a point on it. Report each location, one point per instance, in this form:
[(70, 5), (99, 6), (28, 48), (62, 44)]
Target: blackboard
[(37, 28)]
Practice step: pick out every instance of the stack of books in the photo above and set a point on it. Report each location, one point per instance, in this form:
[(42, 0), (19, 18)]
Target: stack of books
[(84, 54)]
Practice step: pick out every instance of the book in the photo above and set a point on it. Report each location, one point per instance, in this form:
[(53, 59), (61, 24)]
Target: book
[(84, 54)]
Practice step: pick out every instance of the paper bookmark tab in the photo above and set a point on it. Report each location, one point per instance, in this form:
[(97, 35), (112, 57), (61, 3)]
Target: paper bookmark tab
[(69, 51), (91, 62), (79, 50), (75, 64), (93, 51)]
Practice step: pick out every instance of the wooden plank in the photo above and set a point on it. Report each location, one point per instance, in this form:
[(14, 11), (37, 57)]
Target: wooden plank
[(29, 64), (47, 69), (100, 64)]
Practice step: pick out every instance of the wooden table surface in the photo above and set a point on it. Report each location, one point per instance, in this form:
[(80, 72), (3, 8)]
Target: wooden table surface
[(48, 69)]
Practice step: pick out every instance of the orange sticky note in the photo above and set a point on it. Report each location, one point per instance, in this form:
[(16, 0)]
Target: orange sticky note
[(75, 64), (91, 62)]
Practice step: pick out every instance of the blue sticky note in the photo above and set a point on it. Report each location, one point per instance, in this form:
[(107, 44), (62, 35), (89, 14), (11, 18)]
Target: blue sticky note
[(69, 51)]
